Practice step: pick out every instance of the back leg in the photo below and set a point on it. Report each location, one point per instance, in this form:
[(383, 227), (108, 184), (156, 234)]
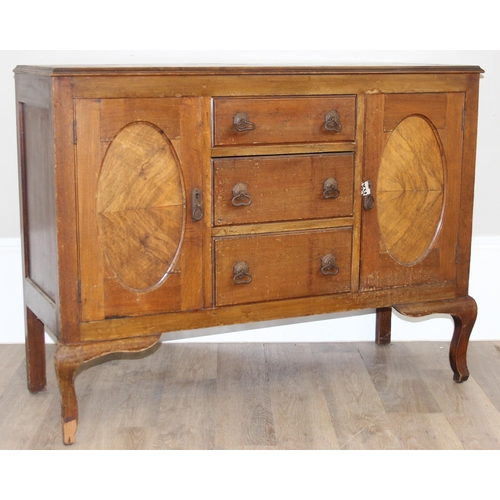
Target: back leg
[(383, 326), (35, 353)]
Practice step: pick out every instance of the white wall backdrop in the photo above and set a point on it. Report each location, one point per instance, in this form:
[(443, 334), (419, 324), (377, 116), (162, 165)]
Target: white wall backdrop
[(486, 233)]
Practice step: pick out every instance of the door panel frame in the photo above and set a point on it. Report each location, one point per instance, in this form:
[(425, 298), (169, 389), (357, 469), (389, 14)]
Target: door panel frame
[(378, 269), (102, 296)]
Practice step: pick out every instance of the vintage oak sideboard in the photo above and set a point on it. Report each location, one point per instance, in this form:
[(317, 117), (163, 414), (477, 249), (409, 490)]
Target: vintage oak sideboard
[(158, 200)]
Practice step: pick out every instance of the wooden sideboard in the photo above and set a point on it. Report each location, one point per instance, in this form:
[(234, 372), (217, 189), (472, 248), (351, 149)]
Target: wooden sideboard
[(157, 200)]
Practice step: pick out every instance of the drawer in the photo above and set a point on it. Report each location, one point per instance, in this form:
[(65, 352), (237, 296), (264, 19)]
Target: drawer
[(281, 188), (282, 265), (245, 121)]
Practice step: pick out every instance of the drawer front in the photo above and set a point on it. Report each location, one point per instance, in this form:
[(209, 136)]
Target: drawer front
[(282, 266), (281, 188), (245, 121)]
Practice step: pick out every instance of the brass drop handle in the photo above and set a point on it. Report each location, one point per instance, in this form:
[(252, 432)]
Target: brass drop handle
[(366, 193), (241, 196), (332, 121), (330, 188), (241, 275), (242, 122), (328, 265)]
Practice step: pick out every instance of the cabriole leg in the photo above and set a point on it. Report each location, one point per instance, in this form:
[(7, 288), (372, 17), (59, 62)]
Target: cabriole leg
[(464, 312), (35, 353), (70, 357), (464, 319)]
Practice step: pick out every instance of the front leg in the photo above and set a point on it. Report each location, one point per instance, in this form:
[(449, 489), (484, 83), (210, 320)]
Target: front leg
[(69, 358), (464, 312)]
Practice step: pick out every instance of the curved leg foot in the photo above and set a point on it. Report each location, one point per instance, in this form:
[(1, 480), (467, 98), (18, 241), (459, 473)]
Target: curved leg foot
[(464, 312), (69, 358)]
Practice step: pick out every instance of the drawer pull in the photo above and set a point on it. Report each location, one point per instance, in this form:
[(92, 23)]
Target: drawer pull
[(330, 188), (332, 121), (242, 123), (241, 275), (241, 196), (196, 205), (328, 266)]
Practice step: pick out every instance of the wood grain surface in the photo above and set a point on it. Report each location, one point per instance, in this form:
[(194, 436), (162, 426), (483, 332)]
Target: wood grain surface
[(412, 158), (410, 192), (282, 265), (286, 120), (283, 188)]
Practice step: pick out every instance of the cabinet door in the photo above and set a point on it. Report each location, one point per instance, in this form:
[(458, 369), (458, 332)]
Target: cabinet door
[(413, 156), (140, 247)]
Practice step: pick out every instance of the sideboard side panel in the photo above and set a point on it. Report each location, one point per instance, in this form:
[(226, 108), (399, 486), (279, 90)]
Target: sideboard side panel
[(37, 195), (38, 183)]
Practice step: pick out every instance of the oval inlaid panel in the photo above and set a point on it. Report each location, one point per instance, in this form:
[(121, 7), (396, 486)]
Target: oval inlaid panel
[(140, 206), (410, 190)]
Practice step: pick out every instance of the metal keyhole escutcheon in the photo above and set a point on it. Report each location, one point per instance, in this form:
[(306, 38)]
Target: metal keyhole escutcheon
[(196, 205), (366, 193)]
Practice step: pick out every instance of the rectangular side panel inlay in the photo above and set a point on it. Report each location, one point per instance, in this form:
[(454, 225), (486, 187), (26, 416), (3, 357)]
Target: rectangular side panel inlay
[(39, 203)]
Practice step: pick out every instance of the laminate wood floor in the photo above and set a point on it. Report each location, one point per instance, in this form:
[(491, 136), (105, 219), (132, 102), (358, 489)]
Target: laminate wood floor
[(263, 396)]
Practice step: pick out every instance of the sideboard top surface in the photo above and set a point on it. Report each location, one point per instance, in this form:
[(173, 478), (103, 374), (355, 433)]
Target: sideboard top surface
[(240, 70)]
